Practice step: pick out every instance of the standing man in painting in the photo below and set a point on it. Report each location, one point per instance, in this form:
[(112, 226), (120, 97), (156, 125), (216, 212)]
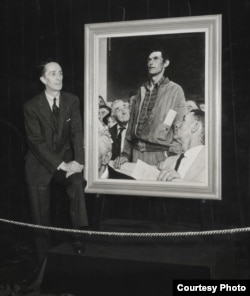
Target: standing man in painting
[(54, 133), (148, 138)]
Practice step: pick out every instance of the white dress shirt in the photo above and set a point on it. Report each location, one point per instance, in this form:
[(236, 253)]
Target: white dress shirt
[(188, 159), (50, 99)]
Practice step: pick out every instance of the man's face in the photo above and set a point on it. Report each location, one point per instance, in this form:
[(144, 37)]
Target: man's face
[(185, 129), (202, 107), (53, 77), (102, 113), (104, 152), (190, 105), (100, 154), (121, 113), (156, 64)]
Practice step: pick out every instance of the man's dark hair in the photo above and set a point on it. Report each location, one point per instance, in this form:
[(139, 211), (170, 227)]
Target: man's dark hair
[(164, 53), (102, 101), (106, 117), (200, 102), (199, 115), (41, 66)]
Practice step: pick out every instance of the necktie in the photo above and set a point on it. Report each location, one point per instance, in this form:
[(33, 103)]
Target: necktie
[(179, 161), (119, 139), (55, 109)]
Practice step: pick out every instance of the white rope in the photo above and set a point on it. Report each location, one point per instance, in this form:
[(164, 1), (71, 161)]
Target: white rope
[(132, 234)]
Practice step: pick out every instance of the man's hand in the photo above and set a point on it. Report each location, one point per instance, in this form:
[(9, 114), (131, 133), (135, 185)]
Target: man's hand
[(119, 161), (161, 165), (168, 175), (104, 131), (72, 166)]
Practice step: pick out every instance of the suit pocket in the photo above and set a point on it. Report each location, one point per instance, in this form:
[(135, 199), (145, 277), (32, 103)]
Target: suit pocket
[(66, 127)]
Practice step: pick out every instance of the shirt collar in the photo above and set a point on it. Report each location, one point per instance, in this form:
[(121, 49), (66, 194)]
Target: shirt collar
[(119, 126), (157, 84), (51, 98)]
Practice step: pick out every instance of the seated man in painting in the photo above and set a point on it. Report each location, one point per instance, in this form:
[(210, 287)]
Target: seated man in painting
[(190, 164), (104, 156)]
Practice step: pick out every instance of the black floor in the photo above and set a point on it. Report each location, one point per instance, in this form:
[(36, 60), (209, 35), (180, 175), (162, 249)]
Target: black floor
[(91, 275), (119, 265)]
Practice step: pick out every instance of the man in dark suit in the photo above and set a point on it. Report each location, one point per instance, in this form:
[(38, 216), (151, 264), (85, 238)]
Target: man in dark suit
[(120, 112), (54, 134)]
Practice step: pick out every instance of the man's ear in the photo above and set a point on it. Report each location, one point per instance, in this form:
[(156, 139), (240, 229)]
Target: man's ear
[(166, 63), (43, 80), (106, 158), (195, 127)]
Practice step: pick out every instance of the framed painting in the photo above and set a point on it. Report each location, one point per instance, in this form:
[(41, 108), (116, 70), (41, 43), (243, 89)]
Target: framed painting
[(121, 65)]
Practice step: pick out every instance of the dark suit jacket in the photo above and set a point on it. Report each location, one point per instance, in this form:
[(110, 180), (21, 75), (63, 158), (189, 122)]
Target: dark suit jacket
[(115, 145), (113, 174), (50, 143)]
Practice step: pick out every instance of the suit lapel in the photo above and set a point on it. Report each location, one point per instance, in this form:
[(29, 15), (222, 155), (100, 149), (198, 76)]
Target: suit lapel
[(46, 111), (48, 115), (113, 131), (63, 110)]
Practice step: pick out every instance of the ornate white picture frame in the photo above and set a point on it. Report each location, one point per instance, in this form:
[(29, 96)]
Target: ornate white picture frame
[(196, 47)]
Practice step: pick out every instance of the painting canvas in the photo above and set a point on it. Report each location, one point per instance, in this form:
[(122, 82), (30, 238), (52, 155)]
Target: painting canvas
[(118, 58)]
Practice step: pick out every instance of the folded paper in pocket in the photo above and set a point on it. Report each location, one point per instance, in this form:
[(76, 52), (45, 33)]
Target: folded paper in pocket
[(170, 117)]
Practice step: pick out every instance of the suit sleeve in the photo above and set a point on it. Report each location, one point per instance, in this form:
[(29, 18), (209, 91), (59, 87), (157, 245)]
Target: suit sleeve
[(77, 133), (36, 141), (180, 106)]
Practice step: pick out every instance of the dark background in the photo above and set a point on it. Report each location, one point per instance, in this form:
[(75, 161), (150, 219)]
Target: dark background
[(32, 30), (127, 63)]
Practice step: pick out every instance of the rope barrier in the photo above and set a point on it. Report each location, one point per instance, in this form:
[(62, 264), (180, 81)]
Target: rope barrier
[(132, 234)]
